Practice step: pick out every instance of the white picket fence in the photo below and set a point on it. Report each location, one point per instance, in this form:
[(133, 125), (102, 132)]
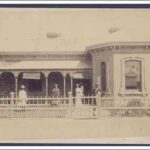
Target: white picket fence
[(91, 107), (48, 107), (128, 106)]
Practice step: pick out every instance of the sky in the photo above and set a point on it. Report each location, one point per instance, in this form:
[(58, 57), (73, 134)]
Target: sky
[(70, 29)]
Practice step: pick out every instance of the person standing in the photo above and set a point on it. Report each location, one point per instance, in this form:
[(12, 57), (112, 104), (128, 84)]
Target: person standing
[(96, 90), (55, 91), (55, 94), (82, 89), (78, 92)]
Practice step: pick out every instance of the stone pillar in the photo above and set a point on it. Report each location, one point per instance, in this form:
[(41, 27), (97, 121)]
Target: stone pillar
[(12, 102), (70, 105), (98, 102)]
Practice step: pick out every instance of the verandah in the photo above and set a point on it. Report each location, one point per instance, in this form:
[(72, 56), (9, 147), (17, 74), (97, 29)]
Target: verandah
[(40, 83)]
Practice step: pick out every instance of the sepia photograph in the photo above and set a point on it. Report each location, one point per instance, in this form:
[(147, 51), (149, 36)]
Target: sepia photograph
[(74, 75)]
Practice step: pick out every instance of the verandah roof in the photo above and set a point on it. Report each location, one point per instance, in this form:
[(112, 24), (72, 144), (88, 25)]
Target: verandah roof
[(69, 64)]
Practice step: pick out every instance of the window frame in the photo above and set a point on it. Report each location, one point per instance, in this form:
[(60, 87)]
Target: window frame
[(123, 90), (137, 89)]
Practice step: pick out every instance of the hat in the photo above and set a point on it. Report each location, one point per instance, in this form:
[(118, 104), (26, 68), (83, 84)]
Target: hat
[(22, 86)]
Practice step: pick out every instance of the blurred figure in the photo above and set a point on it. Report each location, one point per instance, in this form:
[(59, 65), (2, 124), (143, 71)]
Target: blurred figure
[(82, 89), (56, 91), (22, 96), (96, 90), (55, 94), (78, 92)]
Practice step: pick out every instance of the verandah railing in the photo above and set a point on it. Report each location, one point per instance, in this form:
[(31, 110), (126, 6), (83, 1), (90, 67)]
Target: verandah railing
[(91, 107)]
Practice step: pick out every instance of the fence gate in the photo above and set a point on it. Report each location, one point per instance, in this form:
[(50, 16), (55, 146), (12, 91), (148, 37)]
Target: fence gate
[(85, 108)]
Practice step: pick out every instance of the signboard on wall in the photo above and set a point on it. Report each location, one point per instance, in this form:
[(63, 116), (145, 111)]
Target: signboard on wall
[(32, 75), (82, 75)]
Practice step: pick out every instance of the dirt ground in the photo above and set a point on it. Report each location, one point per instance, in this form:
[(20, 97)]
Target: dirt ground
[(61, 130)]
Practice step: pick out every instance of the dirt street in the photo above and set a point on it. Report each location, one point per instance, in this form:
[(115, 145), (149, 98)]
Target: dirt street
[(54, 130)]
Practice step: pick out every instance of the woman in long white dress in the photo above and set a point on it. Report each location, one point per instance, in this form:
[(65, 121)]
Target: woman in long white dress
[(55, 94), (78, 91), (22, 97)]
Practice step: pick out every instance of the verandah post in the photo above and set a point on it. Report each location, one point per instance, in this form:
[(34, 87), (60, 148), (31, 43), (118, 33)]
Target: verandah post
[(70, 105), (98, 101)]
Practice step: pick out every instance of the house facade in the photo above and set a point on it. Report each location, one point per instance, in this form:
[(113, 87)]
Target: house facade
[(120, 69)]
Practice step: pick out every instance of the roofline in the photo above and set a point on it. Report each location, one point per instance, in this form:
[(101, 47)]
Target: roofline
[(42, 52), (123, 43), (87, 49)]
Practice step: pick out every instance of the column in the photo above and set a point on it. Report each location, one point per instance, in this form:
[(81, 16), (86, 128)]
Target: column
[(107, 75), (16, 86), (46, 82), (16, 82), (123, 76), (71, 82), (122, 85), (46, 87), (64, 77), (142, 73)]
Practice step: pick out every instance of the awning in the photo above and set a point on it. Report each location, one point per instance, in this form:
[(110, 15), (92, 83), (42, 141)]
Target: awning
[(82, 75), (28, 75)]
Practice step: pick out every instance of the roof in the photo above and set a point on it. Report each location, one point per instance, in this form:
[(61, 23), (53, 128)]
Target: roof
[(59, 30), (69, 64)]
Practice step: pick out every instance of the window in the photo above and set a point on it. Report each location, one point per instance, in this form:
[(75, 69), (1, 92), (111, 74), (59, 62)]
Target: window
[(133, 75), (103, 76)]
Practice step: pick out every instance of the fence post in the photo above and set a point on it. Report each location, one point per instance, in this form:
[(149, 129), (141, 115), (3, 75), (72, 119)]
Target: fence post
[(98, 101), (12, 96), (70, 105)]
